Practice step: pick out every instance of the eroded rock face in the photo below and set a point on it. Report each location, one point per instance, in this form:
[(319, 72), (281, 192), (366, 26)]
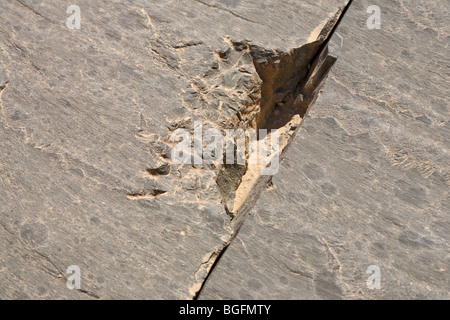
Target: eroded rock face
[(86, 120), (88, 179), (366, 181)]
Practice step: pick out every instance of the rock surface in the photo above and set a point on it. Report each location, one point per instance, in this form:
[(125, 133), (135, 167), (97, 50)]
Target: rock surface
[(85, 122), (366, 181)]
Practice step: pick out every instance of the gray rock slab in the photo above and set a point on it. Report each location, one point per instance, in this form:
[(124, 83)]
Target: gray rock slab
[(86, 117), (366, 181)]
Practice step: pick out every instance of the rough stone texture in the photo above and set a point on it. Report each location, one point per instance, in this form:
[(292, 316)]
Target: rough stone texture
[(86, 117), (366, 181)]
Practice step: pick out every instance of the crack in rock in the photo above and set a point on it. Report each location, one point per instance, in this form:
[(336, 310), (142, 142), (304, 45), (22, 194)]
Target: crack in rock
[(290, 84), (246, 87)]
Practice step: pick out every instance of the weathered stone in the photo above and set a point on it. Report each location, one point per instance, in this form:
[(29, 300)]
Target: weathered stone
[(366, 180), (87, 115)]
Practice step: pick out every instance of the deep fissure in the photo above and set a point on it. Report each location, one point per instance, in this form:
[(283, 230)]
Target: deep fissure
[(290, 84)]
